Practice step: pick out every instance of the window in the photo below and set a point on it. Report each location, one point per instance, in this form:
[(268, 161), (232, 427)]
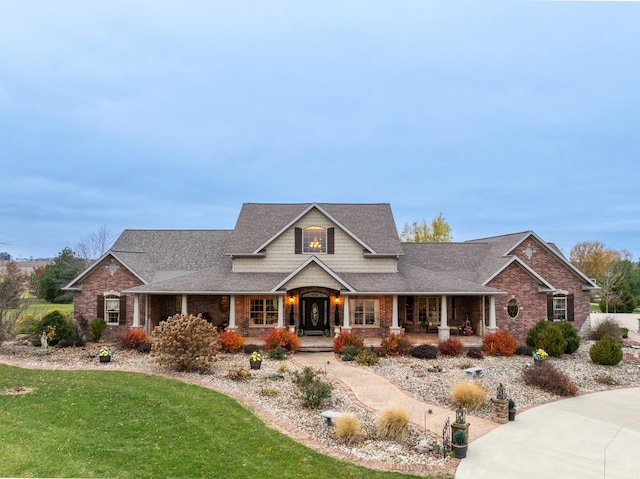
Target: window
[(314, 240), (429, 309), (365, 312), (264, 312), (513, 308), (112, 310), (559, 307)]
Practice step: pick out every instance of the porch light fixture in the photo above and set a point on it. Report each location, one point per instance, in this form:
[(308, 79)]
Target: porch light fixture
[(337, 299), (292, 300)]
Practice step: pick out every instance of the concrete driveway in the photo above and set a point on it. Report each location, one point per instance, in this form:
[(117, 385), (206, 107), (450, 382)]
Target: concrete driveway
[(592, 436)]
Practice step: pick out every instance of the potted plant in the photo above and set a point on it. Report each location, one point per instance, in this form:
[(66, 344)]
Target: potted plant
[(105, 354), (459, 444), (539, 355), (512, 410), (255, 360)]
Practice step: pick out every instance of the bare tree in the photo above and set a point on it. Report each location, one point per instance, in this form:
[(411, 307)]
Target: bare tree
[(611, 282), (95, 245), (13, 300)]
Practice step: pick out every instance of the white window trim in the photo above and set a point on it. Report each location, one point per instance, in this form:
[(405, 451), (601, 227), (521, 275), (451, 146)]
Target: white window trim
[(264, 313), (312, 234), (376, 312), (563, 310), (109, 314)]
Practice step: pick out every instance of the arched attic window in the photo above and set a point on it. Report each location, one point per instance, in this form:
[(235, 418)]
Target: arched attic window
[(314, 240)]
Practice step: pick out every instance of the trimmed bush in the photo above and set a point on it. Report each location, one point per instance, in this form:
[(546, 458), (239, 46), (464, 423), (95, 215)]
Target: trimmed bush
[(475, 353), (469, 394), (367, 358), (393, 424), (132, 338), (607, 351), (185, 343), (348, 428), (548, 378), (532, 334), (609, 328), (349, 353), (425, 351), (624, 332), (500, 343), (552, 340), (277, 354), (396, 345), (281, 337), (56, 322), (570, 335), (450, 347), (97, 328), (346, 338), (231, 341), (313, 391)]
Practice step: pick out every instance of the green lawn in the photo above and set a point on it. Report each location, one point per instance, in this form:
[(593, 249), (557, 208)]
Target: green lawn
[(120, 424), (41, 307)]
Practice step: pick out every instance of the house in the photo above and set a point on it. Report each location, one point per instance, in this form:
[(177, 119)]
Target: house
[(316, 267)]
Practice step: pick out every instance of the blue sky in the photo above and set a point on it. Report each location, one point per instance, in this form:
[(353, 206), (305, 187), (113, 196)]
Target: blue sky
[(505, 116)]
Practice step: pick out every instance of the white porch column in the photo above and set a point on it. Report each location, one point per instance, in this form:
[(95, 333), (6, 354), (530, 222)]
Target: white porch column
[(443, 329), (136, 311), (395, 328), (184, 304), (232, 313), (492, 314), (345, 322), (280, 311)]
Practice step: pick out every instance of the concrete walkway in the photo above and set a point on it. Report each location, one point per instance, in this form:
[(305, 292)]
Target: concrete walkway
[(376, 393), (592, 436)]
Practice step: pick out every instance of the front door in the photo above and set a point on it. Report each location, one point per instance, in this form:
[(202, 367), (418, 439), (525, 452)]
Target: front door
[(314, 315)]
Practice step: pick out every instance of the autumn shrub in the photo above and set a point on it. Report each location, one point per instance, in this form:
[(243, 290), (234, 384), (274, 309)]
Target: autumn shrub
[(281, 337), (56, 322), (606, 351), (475, 353), (609, 328), (500, 343), (425, 351), (450, 347), (132, 338), (549, 378), (347, 338), (396, 345), (367, 358), (96, 329), (238, 373), (312, 390), (570, 335), (469, 394), (231, 341), (185, 343), (348, 428), (393, 424)]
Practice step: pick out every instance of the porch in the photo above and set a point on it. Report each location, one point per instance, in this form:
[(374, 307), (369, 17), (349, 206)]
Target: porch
[(317, 344)]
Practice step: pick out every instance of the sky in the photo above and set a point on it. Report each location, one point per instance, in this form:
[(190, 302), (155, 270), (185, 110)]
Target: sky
[(504, 116)]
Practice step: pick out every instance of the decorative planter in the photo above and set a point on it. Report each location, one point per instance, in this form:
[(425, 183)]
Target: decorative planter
[(460, 451), (255, 364), (512, 414), (538, 362), (105, 359)]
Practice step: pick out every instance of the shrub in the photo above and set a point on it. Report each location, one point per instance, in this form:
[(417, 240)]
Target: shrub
[(80, 329), (231, 341), (450, 347), (28, 323), (524, 350), (459, 437), (607, 379), (532, 334), (349, 352), (281, 337), (547, 377), (552, 340), (185, 343), (500, 343), (56, 321), (313, 391), (424, 351), (269, 392), (624, 332), (475, 353), (238, 373), (97, 329), (393, 424), (346, 338), (132, 338), (606, 351), (469, 394), (367, 358), (396, 345), (347, 428), (278, 354), (570, 335), (609, 328)]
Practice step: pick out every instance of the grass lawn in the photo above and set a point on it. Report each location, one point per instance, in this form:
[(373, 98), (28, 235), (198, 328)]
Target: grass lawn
[(41, 307), (121, 424)]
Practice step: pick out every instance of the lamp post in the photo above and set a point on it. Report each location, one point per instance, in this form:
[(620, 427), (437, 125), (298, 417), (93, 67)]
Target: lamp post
[(336, 319), (292, 300)]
